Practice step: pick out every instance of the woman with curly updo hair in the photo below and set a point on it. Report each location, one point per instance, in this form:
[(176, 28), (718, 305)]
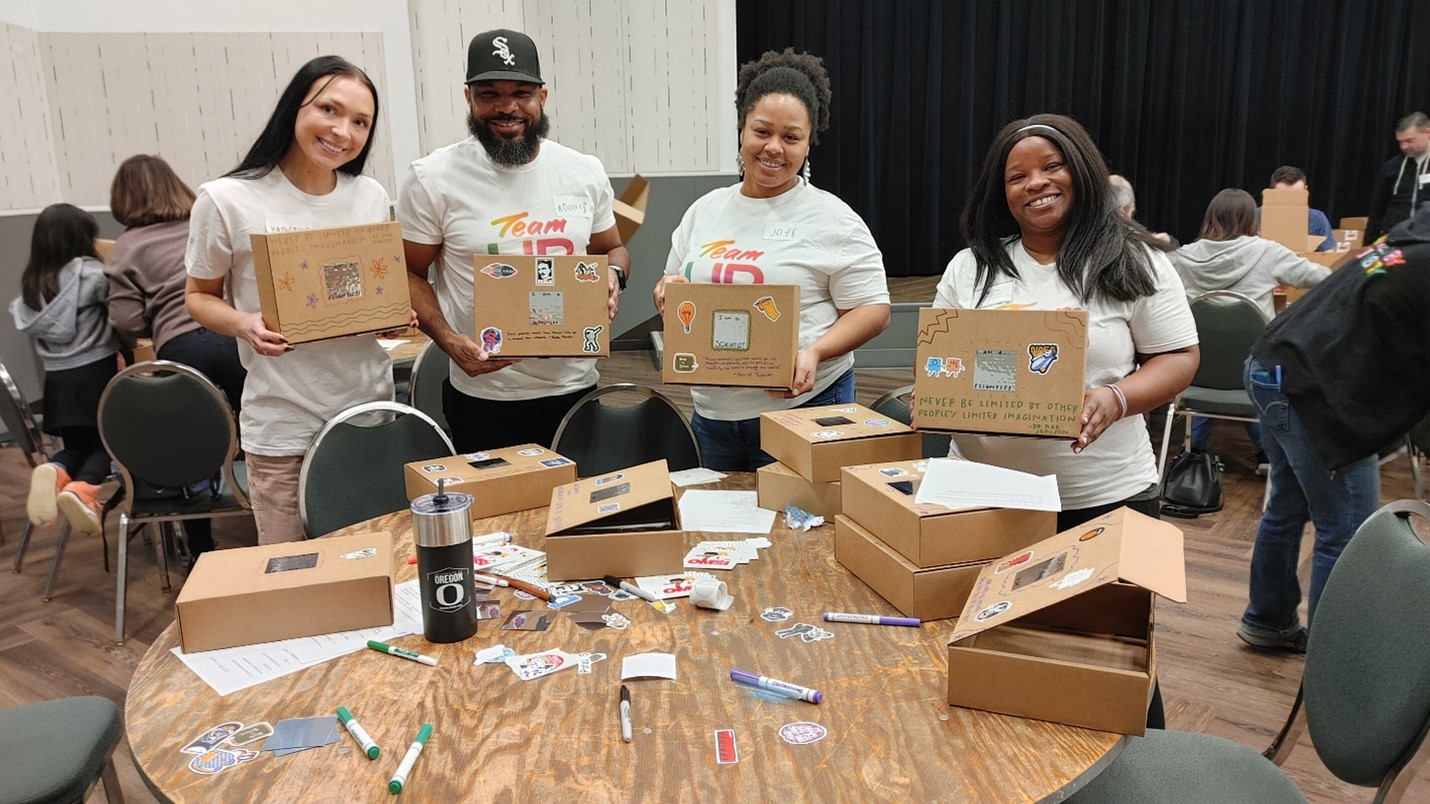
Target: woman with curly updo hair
[(774, 227)]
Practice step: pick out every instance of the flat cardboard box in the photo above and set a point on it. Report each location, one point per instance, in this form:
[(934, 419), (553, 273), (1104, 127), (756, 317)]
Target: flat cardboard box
[(1008, 372), (247, 595), (551, 306), (817, 442), (317, 284), (1357, 224), (880, 497), (730, 335), (630, 207), (624, 524), (928, 593), (778, 485), (1063, 630), (500, 480)]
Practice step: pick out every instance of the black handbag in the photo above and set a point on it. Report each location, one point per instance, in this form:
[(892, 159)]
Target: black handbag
[(1192, 485)]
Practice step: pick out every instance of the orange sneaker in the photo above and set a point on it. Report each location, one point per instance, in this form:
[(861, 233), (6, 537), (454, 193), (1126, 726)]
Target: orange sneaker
[(79, 502), (46, 481)]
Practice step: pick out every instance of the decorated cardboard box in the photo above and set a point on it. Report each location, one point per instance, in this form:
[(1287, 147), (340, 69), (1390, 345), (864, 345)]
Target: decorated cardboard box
[(499, 480), (928, 593), (817, 442), (880, 497), (1010, 372), (732, 335), (247, 595), (551, 306), (623, 524), (778, 485), (1063, 630), (317, 284)]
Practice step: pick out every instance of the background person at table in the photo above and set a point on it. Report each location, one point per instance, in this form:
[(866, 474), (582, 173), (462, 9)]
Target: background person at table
[(783, 103), (1288, 177), (1229, 255), (1337, 376), (478, 196), (61, 307), (303, 172), (1403, 183), (1126, 200), (1043, 232)]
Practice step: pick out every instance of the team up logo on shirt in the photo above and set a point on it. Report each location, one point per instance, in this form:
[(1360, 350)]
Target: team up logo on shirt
[(533, 233), (730, 264), (1376, 260)]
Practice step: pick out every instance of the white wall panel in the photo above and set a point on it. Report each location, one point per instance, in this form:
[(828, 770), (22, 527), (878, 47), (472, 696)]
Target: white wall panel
[(29, 178)]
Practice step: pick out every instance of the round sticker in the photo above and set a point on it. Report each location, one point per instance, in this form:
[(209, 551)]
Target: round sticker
[(802, 733), (993, 610)]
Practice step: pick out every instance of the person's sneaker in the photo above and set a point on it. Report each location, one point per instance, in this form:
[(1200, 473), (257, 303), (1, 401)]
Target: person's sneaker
[(80, 504), (1263, 464), (46, 481), (1291, 643)]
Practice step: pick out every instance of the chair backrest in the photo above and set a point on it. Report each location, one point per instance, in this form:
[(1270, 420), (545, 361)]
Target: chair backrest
[(353, 469), (602, 437), (169, 425), (895, 405), (1228, 324), (429, 370), (15, 412), (1367, 679)]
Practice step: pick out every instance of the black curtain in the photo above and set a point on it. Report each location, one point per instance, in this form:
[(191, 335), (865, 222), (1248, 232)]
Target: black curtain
[(1184, 97)]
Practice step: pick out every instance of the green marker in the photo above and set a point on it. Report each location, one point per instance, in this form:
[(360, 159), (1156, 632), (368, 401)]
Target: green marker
[(356, 730), (413, 751), (383, 647)]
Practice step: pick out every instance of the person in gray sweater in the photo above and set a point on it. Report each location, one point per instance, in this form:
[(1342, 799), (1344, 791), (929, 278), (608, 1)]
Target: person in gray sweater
[(62, 308), (1228, 254)]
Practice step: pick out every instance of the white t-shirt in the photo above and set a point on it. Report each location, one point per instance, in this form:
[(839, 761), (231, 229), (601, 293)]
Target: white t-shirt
[(1119, 463), (804, 236), (458, 198), (287, 399)]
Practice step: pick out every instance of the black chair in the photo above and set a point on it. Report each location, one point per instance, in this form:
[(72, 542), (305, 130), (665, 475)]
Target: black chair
[(168, 425), (56, 751), (424, 387), (1365, 693), (1417, 444), (895, 405), (24, 431), (601, 437), (352, 471)]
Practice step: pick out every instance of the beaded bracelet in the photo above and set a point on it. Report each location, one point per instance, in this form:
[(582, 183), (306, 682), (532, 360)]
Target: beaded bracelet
[(1121, 399)]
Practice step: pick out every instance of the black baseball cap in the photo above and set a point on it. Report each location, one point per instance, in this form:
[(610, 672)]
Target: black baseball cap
[(503, 55)]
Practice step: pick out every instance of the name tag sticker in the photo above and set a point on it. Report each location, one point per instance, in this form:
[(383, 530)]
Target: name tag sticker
[(781, 231), (573, 205)]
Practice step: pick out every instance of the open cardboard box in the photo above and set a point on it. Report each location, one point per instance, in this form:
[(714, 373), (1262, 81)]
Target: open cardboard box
[(778, 485), (880, 497), (928, 593), (247, 595), (731, 335), (1011, 372), (817, 442), (1063, 630), (549, 306), (317, 284), (500, 480), (624, 524), (630, 205)]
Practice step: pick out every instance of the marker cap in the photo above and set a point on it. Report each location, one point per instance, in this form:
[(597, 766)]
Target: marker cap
[(373, 751), (394, 786)]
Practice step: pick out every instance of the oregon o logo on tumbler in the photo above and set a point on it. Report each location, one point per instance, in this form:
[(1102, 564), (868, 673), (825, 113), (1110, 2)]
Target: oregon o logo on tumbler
[(448, 589)]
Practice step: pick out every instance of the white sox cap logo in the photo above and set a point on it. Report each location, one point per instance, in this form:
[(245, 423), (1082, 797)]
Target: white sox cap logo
[(502, 50)]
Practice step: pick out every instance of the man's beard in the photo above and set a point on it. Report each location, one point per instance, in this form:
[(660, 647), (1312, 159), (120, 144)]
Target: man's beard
[(510, 152)]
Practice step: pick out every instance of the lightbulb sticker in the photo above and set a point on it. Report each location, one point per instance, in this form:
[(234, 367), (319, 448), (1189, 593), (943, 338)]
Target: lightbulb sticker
[(686, 313)]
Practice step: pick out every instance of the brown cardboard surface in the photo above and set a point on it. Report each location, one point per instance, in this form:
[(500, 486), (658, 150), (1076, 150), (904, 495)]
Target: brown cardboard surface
[(1346, 239), (549, 306), (730, 335), (1284, 217), (778, 485), (880, 497), (1357, 224), (499, 480), (817, 442), (244, 595), (630, 207), (1015, 372), (326, 283), (929, 593), (623, 523)]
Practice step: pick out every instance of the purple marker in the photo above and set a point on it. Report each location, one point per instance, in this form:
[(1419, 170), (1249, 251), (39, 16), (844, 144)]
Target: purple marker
[(775, 685), (871, 619)]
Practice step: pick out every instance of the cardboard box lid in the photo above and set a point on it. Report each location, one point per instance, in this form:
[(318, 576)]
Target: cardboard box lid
[(627, 495), (247, 570), (881, 475), (629, 207), (1122, 545), (831, 423), (488, 464), (1272, 197)]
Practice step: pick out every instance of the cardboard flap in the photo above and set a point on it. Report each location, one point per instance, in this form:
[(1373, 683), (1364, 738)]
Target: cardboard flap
[(636, 193), (1272, 197), (617, 496), (1153, 555)]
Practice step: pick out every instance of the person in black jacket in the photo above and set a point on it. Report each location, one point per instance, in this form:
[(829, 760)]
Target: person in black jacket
[(1340, 374), (1403, 184)]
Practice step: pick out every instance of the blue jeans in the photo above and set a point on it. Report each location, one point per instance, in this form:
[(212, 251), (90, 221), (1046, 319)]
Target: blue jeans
[(1303, 489), (735, 446), (1202, 434)]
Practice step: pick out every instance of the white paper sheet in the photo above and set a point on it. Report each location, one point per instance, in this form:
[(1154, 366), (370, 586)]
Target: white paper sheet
[(648, 665), (232, 669), (965, 484), (388, 344), (714, 511), (696, 476)]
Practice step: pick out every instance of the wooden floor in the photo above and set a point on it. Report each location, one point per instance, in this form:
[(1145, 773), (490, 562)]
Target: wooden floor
[(1211, 682)]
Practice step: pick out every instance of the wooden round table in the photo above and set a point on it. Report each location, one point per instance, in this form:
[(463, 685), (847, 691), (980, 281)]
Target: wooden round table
[(890, 733)]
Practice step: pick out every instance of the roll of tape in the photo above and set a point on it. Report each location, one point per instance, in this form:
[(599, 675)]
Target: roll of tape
[(708, 593)]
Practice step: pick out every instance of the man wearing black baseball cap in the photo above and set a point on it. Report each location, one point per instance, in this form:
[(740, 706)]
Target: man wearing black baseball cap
[(506, 189)]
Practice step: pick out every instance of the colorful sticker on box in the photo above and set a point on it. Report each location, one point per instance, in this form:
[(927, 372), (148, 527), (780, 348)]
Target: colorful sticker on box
[(601, 481), (943, 367), (725, 750), (1021, 558), (555, 461), (683, 363), (528, 453), (545, 271), (499, 270), (608, 508), (591, 338), (1041, 357), (826, 434), (993, 610), (1092, 534), (686, 313), (491, 338), (1073, 578), (766, 305), (586, 272), (434, 467)]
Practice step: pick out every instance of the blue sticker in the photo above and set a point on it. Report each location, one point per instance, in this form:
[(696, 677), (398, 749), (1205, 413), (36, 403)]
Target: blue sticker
[(601, 481), (556, 462), (608, 508), (943, 367)]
